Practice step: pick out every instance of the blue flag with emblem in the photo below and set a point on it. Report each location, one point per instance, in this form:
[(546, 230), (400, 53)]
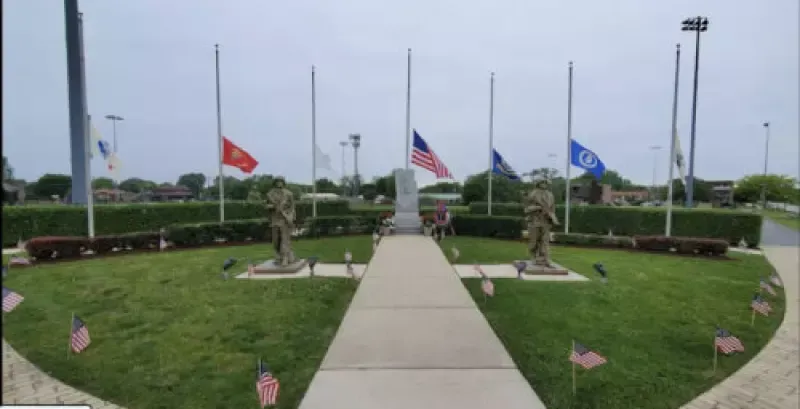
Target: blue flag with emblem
[(586, 160), (501, 167)]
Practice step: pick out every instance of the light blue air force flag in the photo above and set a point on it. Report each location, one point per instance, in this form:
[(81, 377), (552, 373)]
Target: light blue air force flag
[(501, 167), (586, 160)]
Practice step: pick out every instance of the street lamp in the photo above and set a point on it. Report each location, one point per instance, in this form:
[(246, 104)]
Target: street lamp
[(655, 149), (355, 140), (114, 119), (766, 161), (344, 144), (699, 25)]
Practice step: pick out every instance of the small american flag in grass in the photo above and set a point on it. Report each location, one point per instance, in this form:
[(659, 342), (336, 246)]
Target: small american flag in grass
[(267, 386), (727, 343), (80, 335), (768, 288), (585, 357), (487, 286), (251, 269), (11, 300), (776, 280), (760, 306)]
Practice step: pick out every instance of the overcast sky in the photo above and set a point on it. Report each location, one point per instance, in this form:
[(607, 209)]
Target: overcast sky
[(152, 62)]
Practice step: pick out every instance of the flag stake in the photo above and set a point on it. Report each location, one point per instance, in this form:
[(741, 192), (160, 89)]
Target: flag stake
[(574, 384), (714, 367), (752, 316), (69, 344)]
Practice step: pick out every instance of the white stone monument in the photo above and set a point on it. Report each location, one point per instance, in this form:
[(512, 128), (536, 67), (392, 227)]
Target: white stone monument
[(406, 206)]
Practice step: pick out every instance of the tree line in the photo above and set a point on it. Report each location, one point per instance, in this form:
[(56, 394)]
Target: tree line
[(779, 188)]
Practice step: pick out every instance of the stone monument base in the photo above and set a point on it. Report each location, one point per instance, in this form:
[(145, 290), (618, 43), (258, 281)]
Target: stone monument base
[(269, 267), (533, 269)]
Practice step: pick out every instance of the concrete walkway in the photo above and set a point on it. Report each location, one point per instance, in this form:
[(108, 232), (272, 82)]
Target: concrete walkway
[(413, 338), (25, 384), (770, 380)]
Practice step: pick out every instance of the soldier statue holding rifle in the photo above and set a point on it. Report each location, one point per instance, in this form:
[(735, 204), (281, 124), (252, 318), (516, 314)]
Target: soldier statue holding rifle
[(540, 213), (281, 211)]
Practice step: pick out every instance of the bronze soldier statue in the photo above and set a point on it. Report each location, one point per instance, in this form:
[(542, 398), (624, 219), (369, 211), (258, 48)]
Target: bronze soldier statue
[(281, 210), (540, 213)]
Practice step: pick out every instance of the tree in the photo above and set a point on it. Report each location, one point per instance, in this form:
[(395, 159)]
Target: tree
[(369, 191), (193, 181), (476, 189), (53, 184), (102, 183), (702, 190), (443, 187), (384, 185), (548, 173), (611, 178), (136, 185), (779, 188), (327, 186)]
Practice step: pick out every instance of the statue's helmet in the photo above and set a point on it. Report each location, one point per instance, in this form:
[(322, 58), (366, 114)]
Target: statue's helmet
[(279, 181)]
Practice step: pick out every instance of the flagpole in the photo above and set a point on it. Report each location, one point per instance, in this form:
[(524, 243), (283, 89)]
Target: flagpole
[(86, 144), (219, 141), (69, 344), (569, 149), (574, 384), (313, 142), (408, 112), (491, 140), (714, 369), (668, 227)]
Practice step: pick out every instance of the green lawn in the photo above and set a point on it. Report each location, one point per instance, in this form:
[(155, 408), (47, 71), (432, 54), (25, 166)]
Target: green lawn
[(790, 220), (168, 332), (654, 322)]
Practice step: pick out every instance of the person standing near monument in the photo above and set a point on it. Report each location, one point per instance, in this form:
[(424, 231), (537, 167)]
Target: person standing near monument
[(441, 219), (281, 211), (540, 213)]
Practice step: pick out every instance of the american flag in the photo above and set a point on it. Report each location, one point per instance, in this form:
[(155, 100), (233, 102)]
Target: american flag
[(80, 335), (760, 306), (19, 261), (487, 286), (765, 285), (727, 343), (776, 280), (10, 300), (424, 157), (266, 385), (251, 269), (455, 252), (584, 357)]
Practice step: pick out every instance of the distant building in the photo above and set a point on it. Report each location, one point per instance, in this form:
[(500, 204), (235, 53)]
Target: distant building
[(721, 192), (166, 194), (320, 196), (449, 198)]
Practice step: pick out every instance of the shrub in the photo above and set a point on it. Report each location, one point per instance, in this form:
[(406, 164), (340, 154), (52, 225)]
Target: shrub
[(594, 240), (133, 241), (340, 225), (505, 227), (683, 245), (24, 222), (53, 247), (729, 225)]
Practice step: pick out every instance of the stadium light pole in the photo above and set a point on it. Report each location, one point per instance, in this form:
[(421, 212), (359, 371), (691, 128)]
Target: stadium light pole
[(655, 149), (344, 144), (355, 140), (766, 162), (114, 119), (699, 25)]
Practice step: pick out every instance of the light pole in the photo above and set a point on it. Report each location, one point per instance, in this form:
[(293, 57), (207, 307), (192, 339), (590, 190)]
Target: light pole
[(554, 157), (699, 25), (114, 119), (766, 162), (655, 149), (355, 140), (344, 144)]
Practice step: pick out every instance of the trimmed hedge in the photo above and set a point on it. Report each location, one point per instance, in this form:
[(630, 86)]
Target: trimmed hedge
[(24, 222), (510, 227), (729, 225), (190, 235), (380, 211)]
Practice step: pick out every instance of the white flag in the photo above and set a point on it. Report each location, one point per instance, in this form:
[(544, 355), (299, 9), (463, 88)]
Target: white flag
[(323, 161), (679, 160)]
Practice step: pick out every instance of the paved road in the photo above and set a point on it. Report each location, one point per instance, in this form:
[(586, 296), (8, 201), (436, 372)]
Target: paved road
[(774, 234), (413, 338)]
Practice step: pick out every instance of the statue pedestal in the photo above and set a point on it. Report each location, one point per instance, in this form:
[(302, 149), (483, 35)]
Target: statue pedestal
[(269, 267), (532, 269)]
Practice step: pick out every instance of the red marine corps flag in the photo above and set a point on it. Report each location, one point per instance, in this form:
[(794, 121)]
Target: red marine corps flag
[(237, 157)]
